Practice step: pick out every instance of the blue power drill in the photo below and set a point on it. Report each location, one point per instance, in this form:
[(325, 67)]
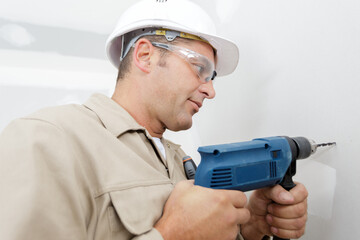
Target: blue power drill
[(244, 166)]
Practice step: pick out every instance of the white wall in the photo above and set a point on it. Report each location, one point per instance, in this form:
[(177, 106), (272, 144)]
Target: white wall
[(298, 75), (33, 80)]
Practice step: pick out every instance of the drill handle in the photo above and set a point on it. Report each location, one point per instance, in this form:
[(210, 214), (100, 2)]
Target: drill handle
[(287, 181), (288, 184)]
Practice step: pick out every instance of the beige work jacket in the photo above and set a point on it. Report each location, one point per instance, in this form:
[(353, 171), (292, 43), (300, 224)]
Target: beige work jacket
[(83, 172)]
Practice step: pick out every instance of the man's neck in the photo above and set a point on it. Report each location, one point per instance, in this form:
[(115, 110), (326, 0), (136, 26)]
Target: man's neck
[(133, 104)]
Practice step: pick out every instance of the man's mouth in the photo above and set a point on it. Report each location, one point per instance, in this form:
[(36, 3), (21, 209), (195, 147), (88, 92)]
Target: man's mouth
[(196, 104)]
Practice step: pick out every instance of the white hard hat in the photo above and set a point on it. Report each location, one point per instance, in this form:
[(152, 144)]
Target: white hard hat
[(179, 15)]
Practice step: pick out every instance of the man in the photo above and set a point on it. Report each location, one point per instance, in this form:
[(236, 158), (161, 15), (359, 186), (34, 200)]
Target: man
[(102, 170)]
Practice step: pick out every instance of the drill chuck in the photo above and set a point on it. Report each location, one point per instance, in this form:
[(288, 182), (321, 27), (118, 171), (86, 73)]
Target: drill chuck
[(301, 147), (305, 147)]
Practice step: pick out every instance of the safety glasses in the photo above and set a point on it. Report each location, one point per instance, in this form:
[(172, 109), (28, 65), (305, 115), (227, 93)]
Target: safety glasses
[(201, 65)]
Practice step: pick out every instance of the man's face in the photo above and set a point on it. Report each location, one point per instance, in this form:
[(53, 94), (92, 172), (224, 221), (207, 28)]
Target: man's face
[(179, 92)]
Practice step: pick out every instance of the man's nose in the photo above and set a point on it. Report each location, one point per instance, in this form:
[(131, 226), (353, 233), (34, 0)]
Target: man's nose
[(208, 90)]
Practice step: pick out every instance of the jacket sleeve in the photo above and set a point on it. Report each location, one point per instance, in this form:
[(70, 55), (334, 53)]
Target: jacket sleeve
[(40, 193)]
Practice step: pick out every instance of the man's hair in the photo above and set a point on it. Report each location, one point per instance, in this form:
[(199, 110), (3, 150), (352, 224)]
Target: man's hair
[(124, 67)]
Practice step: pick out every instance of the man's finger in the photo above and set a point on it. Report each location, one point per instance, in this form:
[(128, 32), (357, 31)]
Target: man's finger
[(288, 224), (299, 192), (237, 198), (287, 234), (279, 194), (243, 215), (288, 211)]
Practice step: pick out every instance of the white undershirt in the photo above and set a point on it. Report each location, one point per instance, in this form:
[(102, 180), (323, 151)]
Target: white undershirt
[(160, 146)]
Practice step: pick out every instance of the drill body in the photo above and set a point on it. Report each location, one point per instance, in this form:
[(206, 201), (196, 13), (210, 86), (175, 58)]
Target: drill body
[(244, 166), (250, 165)]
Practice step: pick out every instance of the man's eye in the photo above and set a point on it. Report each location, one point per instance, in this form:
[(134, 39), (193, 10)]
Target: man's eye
[(199, 68)]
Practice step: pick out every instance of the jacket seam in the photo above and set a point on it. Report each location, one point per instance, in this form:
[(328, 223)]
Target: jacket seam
[(109, 189), (42, 120)]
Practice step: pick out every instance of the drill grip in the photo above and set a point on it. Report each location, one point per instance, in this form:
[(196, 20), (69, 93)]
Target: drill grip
[(287, 187), (288, 184)]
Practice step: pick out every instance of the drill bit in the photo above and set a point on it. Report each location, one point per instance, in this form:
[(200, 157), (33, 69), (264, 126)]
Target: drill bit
[(314, 145), (325, 144)]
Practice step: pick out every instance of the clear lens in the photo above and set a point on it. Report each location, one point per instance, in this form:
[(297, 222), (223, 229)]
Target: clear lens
[(202, 66)]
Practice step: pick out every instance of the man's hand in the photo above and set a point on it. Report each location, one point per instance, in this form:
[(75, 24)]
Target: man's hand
[(275, 211), (194, 212)]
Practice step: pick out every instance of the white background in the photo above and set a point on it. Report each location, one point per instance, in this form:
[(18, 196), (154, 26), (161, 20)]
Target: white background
[(298, 75)]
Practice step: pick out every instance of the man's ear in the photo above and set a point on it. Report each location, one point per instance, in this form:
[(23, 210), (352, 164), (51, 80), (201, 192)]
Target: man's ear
[(142, 54)]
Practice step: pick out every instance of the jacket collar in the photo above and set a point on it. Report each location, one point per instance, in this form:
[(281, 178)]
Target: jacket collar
[(114, 117)]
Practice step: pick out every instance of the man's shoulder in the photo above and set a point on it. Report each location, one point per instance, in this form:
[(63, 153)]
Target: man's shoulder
[(56, 128), (63, 115)]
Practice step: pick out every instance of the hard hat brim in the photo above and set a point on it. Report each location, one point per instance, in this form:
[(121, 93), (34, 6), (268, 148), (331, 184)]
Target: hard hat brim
[(227, 52)]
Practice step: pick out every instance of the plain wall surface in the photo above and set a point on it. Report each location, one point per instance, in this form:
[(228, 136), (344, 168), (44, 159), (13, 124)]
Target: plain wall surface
[(298, 75)]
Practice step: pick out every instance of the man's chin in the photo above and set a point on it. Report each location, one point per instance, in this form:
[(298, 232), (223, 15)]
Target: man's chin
[(181, 126)]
